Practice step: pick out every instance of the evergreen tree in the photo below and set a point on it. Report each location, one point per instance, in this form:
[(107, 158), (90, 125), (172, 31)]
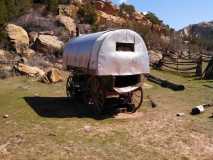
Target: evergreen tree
[(87, 14), (11, 8), (3, 12), (23, 5), (128, 8), (153, 18), (52, 5)]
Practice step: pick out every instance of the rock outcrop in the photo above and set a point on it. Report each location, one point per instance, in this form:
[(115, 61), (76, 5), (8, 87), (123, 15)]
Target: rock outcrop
[(107, 19), (33, 36), (35, 20), (155, 57), (49, 44), (68, 10), (52, 76), (200, 30), (18, 37), (29, 71), (106, 6), (68, 23), (5, 55)]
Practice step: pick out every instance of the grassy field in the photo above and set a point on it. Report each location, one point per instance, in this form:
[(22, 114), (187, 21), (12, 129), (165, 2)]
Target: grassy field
[(43, 125)]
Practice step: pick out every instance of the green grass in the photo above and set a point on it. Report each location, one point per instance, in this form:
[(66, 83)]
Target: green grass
[(51, 127)]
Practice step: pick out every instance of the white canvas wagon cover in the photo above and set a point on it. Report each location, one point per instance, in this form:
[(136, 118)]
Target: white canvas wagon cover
[(116, 52)]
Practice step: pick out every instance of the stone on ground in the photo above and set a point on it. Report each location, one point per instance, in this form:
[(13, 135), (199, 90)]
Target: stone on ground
[(53, 76), (28, 70)]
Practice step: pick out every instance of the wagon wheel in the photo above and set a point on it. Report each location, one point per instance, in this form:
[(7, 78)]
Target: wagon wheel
[(96, 95), (70, 87), (136, 98)]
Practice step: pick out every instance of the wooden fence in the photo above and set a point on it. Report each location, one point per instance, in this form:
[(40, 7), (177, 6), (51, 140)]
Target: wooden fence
[(184, 65)]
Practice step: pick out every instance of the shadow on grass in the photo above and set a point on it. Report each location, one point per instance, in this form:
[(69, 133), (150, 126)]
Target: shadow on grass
[(208, 86), (62, 107)]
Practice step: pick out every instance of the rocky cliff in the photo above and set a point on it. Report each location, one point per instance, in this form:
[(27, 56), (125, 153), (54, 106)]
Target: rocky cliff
[(202, 32)]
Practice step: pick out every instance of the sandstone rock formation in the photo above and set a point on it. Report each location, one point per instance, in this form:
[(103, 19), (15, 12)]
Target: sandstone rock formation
[(33, 36), (106, 19), (18, 37), (49, 44), (106, 7), (28, 53), (68, 23), (53, 76), (36, 21), (68, 10), (155, 56), (29, 71)]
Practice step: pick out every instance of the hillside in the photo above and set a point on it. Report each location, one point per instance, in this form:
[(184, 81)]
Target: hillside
[(203, 32), (37, 30)]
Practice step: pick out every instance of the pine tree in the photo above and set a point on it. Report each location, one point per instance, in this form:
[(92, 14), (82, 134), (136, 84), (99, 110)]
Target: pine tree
[(52, 5), (23, 5), (11, 8), (3, 12)]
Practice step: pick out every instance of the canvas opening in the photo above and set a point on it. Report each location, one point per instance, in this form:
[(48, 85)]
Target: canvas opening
[(126, 47)]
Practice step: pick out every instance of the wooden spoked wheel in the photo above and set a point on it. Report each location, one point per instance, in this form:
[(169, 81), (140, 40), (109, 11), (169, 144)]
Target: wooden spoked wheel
[(96, 95), (136, 99), (70, 87)]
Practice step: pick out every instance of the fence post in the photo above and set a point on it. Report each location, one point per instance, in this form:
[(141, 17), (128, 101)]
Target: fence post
[(199, 67)]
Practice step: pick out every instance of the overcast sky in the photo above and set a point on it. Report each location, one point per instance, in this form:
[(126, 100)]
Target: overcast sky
[(176, 13)]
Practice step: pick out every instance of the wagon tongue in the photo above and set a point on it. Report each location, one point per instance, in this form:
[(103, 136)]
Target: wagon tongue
[(125, 89)]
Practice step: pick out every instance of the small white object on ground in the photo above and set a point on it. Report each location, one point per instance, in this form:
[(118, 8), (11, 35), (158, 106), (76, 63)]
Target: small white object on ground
[(87, 128), (198, 109), (6, 116), (180, 114)]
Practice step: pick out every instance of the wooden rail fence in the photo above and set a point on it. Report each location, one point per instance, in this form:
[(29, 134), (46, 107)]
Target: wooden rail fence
[(185, 65)]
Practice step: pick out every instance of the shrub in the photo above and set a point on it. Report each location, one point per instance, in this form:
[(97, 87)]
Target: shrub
[(153, 18), (3, 12), (87, 14), (52, 5), (11, 8), (127, 8)]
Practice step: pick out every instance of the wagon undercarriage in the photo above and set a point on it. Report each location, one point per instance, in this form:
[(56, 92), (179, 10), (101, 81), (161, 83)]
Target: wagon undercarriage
[(95, 90)]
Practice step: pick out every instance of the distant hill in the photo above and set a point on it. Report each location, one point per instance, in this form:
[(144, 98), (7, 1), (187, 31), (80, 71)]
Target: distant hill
[(202, 32)]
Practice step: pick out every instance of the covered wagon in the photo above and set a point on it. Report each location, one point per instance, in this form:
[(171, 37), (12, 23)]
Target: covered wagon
[(105, 64)]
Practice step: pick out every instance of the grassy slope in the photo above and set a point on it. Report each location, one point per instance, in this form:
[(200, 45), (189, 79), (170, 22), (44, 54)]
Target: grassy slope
[(52, 128)]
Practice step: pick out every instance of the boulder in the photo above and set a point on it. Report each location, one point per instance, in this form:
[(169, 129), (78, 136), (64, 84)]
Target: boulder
[(29, 71), (68, 23), (6, 55), (7, 60), (68, 10), (2, 54), (53, 76), (18, 37), (33, 36), (36, 22), (138, 16), (6, 71), (104, 18), (49, 44), (106, 7), (155, 56), (28, 53)]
